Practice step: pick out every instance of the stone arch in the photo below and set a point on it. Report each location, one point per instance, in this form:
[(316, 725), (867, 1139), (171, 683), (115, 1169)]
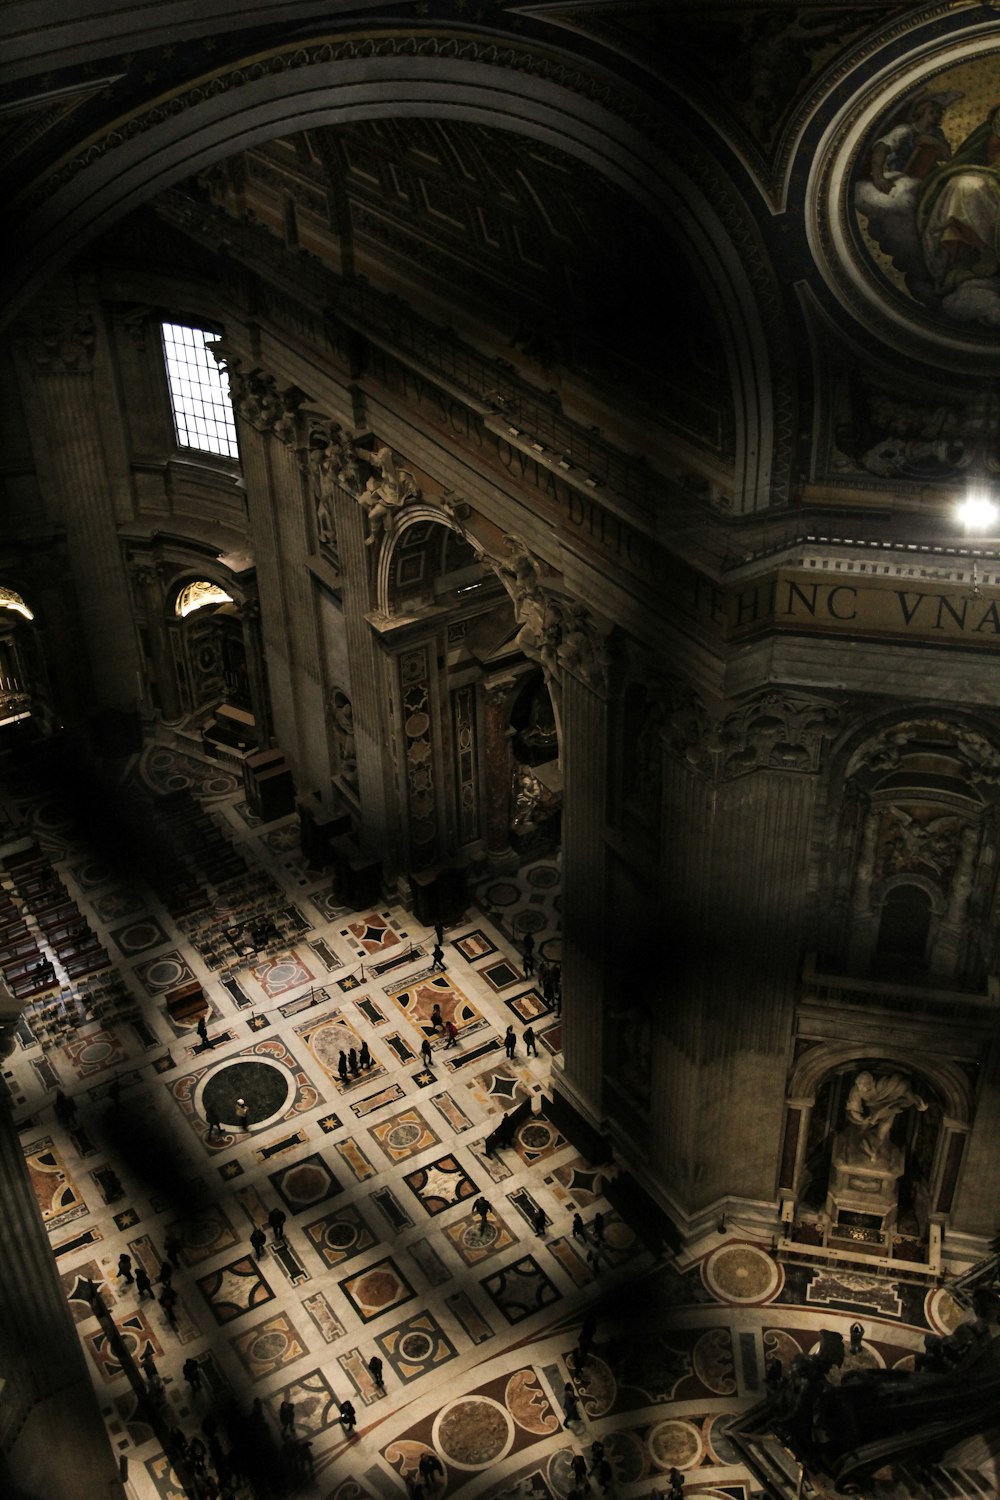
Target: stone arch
[(323, 84), (819, 1062)]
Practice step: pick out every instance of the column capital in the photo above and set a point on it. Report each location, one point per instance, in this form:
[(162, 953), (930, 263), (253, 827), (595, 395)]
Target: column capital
[(57, 341)]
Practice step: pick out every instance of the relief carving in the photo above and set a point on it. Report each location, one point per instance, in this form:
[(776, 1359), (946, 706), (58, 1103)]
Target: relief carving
[(258, 398), (777, 731), (561, 635), (58, 343)]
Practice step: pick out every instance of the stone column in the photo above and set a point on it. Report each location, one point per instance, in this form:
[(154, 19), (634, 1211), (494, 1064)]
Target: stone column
[(260, 705), (148, 581), (496, 764), (58, 348), (586, 949)]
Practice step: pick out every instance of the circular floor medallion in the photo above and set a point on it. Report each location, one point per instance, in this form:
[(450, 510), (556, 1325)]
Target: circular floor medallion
[(543, 877), (528, 921), (415, 1346), (503, 893), (741, 1273), (536, 1135), (95, 1052), (941, 1310), (401, 1136), (675, 1444), (268, 1346), (377, 1289), (473, 1432), (267, 1087), (166, 971)]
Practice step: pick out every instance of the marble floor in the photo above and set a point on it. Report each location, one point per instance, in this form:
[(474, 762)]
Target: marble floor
[(383, 1253)]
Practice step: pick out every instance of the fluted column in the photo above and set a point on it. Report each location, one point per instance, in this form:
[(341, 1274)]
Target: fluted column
[(59, 348), (951, 931), (862, 936), (148, 581), (260, 705), (496, 759), (585, 936)]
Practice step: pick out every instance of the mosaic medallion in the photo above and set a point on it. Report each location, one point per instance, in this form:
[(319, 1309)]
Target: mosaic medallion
[(416, 1347), (473, 1432), (233, 1290), (675, 1444), (520, 1289), (57, 1195), (316, 1407), (284, 972), (164, 972), (440, 1185), (305, 1183), (713, 1361), (340, 1235), (137, 937), (266, 1087), (476, 1241), (404, 1135), (375, 1290), (204, 1234), (269, 1346), (942, 1312), (94, 1053), (741, 1273)]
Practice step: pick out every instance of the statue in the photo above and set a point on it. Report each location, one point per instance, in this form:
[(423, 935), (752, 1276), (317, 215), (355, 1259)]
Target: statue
[(872, 1106), (385, 491), (342, 714)]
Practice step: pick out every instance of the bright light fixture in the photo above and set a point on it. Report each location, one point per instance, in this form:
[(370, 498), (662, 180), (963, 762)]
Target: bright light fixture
[(978, 513)]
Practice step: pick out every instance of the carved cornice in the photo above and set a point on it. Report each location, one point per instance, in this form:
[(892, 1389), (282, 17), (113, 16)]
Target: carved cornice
[(58, 342), (258, 399)]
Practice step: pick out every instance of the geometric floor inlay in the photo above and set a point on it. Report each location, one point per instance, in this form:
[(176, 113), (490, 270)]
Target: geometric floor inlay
[(235, 1289)]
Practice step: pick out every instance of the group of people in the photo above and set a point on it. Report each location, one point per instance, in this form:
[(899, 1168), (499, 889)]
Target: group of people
[(165, 1275), (353, 1060)]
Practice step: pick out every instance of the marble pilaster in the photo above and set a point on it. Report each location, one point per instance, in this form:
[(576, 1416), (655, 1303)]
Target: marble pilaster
[(260, 703)]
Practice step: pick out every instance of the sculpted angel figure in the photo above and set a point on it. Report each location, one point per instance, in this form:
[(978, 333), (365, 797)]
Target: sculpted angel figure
[(387, 490)]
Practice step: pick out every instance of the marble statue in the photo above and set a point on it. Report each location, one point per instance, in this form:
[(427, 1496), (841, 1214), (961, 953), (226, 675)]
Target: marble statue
[(386, 491), (872, 1106)]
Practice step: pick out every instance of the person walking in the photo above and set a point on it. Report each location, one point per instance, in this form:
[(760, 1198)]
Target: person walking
[(578, 1466), (451, 1033), (510, 1041), (437, 957), (168, 1301), (342, 1065), (352, 1062), (425, 1051), (148, 1364), (258, 1240), (365, 1059), (375, 1371), (166, 1272), (191, 1371), (439, 933), (437, 1019), (286, 1416), (214, 1123), (530, 1045), (430, 1467), (242, 1114), (348, 1415), (538, 1219), (482, 1208), (571, 1404), (579, 1233), (172, 1247), (596, 1454), (203, 1030), (125, 1266), (143, 1285), (276, 1219)]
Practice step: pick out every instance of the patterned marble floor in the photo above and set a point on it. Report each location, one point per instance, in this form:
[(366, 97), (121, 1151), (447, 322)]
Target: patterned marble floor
[(378, 1175)]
